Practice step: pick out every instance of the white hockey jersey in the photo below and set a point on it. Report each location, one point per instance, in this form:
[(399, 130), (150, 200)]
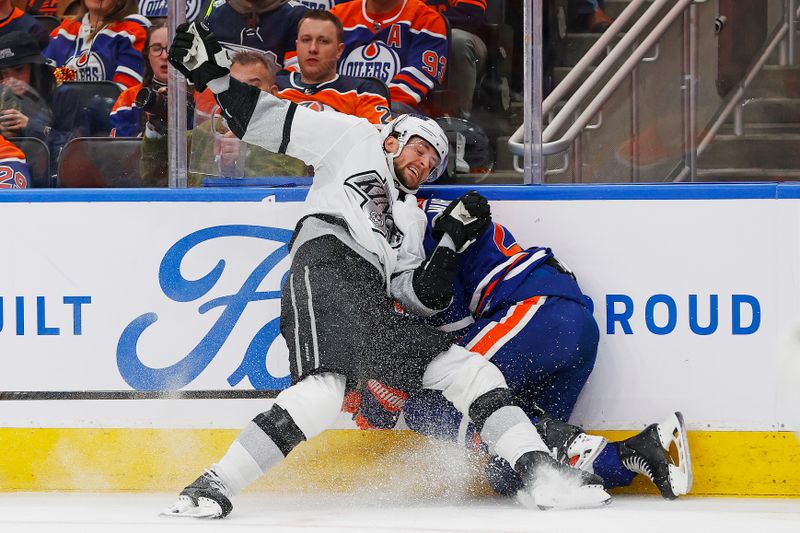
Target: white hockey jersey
[(352, 181)]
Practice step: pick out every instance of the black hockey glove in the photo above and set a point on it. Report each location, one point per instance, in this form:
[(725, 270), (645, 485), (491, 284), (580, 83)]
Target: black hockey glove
[(196, 53), (465, 220), (379, 406)]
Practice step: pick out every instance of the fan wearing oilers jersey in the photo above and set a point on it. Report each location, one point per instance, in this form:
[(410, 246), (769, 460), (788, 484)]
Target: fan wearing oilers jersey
[(266, 25), (358, 247), (14, 170), (105, 42), (524, 310), (401, 42), (317, 85)]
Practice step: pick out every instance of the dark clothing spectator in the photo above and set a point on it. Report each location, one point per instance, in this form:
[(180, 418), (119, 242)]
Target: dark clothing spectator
[(43, 7), (14, 19), (45, 111), (266, 25)]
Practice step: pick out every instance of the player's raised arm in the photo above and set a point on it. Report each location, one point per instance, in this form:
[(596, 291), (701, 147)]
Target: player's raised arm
[(253, 115)]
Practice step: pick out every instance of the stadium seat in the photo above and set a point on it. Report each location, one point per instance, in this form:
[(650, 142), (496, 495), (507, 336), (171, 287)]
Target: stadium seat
[(97, 98), (38, 158), (47, 22), (100, 162)]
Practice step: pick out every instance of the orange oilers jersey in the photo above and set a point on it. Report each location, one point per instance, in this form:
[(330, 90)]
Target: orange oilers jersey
[(406, 49), (361, 97), (125, 116), (14, 171)]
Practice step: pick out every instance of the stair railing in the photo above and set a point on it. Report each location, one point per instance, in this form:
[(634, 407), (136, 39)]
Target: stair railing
[(621, 49), (783, 36)]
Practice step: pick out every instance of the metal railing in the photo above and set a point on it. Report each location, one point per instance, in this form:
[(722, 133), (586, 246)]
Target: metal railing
[(640, 39)]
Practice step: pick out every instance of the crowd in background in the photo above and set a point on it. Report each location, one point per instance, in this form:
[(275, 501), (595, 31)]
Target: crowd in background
[(369, 58)]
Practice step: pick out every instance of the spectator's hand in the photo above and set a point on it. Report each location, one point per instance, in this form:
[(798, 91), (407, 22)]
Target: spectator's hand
[(196, 53), (12, 121), (229, 149), (465, 220)]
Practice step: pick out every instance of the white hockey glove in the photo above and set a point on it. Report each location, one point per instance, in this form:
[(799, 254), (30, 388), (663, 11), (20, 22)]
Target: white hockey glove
[(464, 220), (197, 54)]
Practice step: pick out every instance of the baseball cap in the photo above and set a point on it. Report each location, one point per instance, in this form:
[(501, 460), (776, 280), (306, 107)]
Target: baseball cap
[(18, 48)]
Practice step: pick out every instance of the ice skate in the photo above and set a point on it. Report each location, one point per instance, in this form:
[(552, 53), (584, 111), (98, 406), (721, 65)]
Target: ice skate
[(207, 497), (648, 453), (550, 484), (569, 444)]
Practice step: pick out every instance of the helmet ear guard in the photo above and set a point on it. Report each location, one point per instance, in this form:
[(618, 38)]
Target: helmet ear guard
[(403, 128)]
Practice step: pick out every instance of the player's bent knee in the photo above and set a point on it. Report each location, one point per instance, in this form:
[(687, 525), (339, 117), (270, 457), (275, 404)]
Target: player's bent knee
[(487, 403), (462, 376), (314, 403)]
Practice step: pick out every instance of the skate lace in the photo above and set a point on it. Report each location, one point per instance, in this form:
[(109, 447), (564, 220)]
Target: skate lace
[(639, 465)]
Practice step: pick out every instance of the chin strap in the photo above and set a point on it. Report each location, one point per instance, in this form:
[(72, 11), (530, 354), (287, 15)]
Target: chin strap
[(397, 181)]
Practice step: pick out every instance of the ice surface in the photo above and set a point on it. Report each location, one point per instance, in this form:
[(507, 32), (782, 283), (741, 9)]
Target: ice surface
[(327, 513)]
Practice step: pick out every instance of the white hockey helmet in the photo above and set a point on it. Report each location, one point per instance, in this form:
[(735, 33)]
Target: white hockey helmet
[(412, 125)]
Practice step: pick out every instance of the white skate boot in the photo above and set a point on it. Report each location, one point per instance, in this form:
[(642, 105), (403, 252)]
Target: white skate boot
[(569, 444), (207, 497), (551, 484)]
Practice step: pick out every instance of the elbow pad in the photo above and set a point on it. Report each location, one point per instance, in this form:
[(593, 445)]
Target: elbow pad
[(238, 103), (433, 280)]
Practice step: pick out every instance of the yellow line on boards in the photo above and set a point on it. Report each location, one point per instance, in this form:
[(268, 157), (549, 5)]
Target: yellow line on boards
[(726, 463)]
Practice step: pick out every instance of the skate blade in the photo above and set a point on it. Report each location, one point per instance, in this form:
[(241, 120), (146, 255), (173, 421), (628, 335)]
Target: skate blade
[(548, 498), (185, 508), (673, 431)]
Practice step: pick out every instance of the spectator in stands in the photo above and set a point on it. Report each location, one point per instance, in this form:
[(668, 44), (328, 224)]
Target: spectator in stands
[(105, 42), (157, 9), (42, 7), (46, 111), (14, 171), (401, 42), (14, 19), (467, 52), (126, 119), (266, 25), (588, 16), (317, 85), (221, 153)]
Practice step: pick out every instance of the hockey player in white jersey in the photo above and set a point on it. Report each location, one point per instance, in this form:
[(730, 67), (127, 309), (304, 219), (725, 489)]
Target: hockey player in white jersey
[(358, 246)]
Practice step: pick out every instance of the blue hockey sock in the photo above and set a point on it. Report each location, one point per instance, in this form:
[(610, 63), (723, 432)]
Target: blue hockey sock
[(609, 466)]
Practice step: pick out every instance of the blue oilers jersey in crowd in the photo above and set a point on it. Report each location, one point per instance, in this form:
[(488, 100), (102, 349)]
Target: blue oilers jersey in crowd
[(115, 53), (14, 171), (158, 8), (405, 49), (496, 271), (274, 32)]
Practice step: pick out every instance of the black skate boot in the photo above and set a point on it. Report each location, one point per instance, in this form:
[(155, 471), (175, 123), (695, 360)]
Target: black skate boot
[(569, 444), (206, 497), (552, 484), (647, 453)]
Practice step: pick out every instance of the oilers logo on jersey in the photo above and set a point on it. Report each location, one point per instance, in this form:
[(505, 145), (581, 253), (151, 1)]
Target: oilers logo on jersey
[(88, 66), (374, 60), (370, 189), (158, 8), (324, 5), (316, 106)]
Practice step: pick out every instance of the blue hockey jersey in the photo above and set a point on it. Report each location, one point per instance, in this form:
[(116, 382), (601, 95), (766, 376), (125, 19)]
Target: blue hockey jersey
[(406, 49), (274, 32), (495, 271), (115, 53)]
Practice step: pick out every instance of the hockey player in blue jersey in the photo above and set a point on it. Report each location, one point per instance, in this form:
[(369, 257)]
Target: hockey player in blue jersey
[(524, 310)]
